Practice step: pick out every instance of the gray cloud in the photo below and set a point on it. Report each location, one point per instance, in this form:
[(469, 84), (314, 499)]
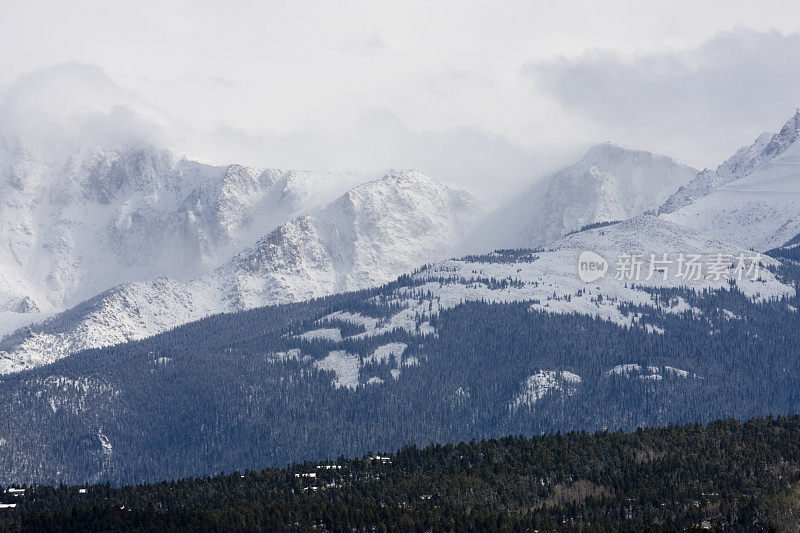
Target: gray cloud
[(70, 105), (73, 105), (700, 102), (485, 163), (697, 104)]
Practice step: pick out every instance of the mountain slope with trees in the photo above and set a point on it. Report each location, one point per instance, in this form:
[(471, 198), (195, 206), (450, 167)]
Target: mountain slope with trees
[(726, 476), (343, 375)]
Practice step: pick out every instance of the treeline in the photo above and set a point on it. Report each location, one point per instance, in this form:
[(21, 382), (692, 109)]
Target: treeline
[(212, 396), (726, 476)]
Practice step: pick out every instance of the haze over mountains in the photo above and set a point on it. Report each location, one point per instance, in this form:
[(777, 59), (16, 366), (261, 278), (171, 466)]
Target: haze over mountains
[(610, 183), (170, 303), (753, 199), (74, 228), (368, 236), (127, 242)]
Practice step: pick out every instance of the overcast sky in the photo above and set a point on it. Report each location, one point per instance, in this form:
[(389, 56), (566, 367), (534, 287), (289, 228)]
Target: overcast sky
[(485, 94)]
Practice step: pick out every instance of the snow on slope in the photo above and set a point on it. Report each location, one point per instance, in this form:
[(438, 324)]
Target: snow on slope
[(541, 384), (760, 207), (610, 183), (650, 373), (89, 199), (109, 216), (549, 279), (368, 236), (351, 370), (707, 181)]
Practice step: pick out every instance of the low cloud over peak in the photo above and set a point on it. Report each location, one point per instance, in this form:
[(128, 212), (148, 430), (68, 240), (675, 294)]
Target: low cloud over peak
[(699, 101), (76, 104)]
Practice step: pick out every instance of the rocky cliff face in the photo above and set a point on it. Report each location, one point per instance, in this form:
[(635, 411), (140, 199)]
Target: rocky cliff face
[(368, 236)]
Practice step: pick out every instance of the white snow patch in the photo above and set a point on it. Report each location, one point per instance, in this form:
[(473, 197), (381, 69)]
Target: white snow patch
[(384, 354), (105, 443), (368, 322), (344, 365), (651, 372), (625, 369), (331, 334), (543, 383), (677, 371), (289, 355)]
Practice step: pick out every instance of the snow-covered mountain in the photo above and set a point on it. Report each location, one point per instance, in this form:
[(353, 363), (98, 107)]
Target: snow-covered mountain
[(753, 199), (550, 278), (610, 183), (385, 228), (368, 236), (300, 260), (103, 243), (707, 181), (547, 281), (70, 229)]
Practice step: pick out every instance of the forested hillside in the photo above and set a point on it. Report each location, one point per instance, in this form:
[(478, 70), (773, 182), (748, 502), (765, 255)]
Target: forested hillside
[(340, 376), (727, 476)]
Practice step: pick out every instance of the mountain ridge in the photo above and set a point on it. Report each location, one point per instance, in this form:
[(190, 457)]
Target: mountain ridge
[(367, 237), (755, 203), (610, 182), (129, 214)]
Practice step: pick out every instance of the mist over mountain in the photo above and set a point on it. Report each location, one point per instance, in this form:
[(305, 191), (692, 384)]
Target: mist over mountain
[(274, 241), (164, 314), (753, 199), (610, 183), (238, 238)]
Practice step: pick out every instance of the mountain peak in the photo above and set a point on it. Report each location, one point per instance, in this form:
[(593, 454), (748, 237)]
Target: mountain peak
[(616, 147), (408, 176), (611, 182), (610, 146), (752, 199), (409, 184), (784, 138), (747, 159), (604, 150), (609, 155)]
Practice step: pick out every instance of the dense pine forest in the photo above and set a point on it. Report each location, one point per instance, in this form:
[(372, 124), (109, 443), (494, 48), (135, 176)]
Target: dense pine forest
[(265, 388), (726, 476)]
